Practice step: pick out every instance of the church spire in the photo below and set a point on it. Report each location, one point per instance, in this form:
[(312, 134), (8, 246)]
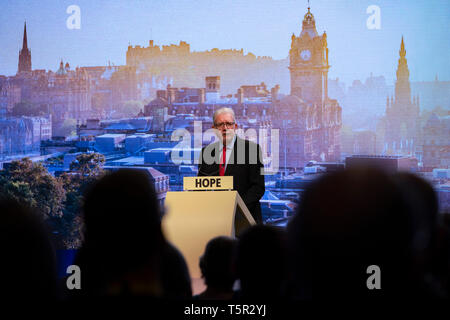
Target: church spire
[(24, 54), (388, 107), (402, 51), (402, 85), (25, 42)]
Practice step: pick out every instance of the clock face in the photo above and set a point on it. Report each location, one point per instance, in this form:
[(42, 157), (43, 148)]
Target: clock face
[(305, 55)]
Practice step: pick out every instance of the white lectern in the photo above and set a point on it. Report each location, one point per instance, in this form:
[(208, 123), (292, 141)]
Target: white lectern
[(195, 216)]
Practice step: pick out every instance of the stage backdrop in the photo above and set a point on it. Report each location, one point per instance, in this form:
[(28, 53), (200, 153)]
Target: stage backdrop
[(93, 86)]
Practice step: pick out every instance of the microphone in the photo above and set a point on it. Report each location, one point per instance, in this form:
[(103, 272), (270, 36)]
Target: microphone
[(204, 173)]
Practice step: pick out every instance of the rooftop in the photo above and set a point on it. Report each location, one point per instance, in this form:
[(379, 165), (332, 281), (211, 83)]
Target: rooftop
[(111, 135)]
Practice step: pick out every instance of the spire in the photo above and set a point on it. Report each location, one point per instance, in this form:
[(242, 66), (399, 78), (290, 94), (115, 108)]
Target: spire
[(309, 24), (387, 104), (402, 85), (24, 54), (402, 51), (25, 42)]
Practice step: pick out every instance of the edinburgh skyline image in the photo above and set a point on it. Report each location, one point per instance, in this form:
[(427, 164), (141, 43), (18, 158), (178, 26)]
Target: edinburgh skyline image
[(309, 87), (263, 28)]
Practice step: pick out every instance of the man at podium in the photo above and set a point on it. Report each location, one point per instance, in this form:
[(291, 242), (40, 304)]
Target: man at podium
[(233, 156)]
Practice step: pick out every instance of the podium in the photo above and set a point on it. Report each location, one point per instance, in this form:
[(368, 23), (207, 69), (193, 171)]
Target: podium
[(192, 218)]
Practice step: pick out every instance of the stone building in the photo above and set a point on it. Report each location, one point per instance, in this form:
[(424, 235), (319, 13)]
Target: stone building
[(436, 142), (110, 86), (21, 135), (250, 101), (10, 94), (62, 94), (309, 121), (175, 64)]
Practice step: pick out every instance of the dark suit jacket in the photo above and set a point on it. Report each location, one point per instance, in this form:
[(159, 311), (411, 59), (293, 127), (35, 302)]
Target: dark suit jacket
[(246, 168)]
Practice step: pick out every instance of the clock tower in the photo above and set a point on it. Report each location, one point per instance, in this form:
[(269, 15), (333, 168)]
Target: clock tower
[(308, 63)]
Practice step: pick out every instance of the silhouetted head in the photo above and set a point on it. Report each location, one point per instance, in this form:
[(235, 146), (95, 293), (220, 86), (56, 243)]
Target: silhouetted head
[(28, 265), (423, 205), (346, 222), (122, 224), (218, 263), (262, 262)]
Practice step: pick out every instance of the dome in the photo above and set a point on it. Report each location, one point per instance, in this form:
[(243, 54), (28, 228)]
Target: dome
[(61, 71)]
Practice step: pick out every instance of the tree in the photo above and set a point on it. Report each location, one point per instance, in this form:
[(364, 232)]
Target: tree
[(17, 190), (57, 199), (70, 224), (87, 168), (30, 183), (88, 164)]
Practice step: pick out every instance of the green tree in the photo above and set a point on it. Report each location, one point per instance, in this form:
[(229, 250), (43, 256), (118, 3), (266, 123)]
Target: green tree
[(70, 224), (30, 183), (17, 190), (88, 164), (86, 169), (57, 199)]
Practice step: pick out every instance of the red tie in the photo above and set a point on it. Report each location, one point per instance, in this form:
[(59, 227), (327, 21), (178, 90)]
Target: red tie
[(222, 164)]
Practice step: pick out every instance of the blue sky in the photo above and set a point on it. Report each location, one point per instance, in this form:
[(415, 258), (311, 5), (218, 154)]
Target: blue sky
[(263, 27)]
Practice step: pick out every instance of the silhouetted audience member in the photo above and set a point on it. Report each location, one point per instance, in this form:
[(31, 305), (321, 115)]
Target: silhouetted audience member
[(28, 263), (423, 205), (124, 252), (441, 252), (346, 222), (218, 267), (262, 263)]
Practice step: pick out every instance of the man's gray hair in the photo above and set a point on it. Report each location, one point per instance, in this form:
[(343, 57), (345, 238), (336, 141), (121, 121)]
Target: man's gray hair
[(223, 110)]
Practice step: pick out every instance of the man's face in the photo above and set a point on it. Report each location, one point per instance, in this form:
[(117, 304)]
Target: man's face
[(226, 125)]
